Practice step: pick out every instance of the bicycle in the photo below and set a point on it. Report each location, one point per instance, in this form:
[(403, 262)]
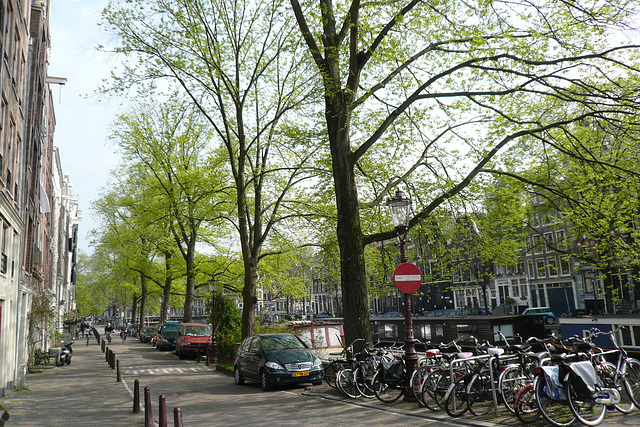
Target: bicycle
[(388, 383)]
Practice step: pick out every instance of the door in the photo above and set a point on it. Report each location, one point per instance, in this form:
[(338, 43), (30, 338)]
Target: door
[(254, 357)]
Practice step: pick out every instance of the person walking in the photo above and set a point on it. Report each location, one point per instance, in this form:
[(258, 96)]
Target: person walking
[(83, 327)]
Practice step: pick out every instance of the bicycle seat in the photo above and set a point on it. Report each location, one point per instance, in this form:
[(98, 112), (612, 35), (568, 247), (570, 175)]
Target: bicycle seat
[(495, 351), (465, 354), (433, 352)]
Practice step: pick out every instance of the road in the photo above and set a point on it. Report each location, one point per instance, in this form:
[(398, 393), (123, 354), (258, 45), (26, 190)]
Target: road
[(86, 393), (209, 398)]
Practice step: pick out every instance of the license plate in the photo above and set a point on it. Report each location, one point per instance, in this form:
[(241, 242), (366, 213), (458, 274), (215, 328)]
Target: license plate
[(301, 374)]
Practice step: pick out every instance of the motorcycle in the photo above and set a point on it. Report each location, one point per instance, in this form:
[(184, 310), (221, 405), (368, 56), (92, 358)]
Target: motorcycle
[(65, 354)]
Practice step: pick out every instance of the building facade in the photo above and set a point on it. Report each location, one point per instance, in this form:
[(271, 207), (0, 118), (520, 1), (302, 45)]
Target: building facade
[(38, 211)]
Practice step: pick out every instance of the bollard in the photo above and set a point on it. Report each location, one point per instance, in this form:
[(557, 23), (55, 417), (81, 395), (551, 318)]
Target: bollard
[(102, 345), (113, 360), (148, 415), (136, 396), (87, 340), (162, 403), (106, 354), (177, 417), (118, 376)]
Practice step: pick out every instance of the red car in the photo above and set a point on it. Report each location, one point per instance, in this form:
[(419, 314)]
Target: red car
[(192, 339)]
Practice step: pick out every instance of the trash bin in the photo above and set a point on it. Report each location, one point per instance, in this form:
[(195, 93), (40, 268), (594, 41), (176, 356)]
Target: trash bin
[(55, 353)]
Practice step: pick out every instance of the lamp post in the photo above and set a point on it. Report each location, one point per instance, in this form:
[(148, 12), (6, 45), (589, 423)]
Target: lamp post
[(212, 354), (400, 207)]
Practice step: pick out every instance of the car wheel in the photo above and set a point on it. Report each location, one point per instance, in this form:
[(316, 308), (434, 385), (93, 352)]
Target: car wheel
[(264, 381), (237, 376), (549, 320)]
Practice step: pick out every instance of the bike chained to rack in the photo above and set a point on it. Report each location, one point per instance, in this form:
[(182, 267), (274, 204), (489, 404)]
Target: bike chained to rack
[(580, 384), (482, 378)]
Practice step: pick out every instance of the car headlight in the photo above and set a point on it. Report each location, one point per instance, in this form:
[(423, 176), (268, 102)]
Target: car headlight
[(317, 362), (273, 365)]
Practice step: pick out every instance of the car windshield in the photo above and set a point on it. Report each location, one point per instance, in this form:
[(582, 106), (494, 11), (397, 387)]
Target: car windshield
[(197, 331), (281, 342), (169, 328)]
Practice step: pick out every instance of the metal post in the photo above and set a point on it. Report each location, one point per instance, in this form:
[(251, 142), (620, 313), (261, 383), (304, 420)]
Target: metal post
[(148, 415), (410, 356), (214, 348), (87, 340), (162, 403), (177, 417), (136, 396), (118, 376), (106, 354)]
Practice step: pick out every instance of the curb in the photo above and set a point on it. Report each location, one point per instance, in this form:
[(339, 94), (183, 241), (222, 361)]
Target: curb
[(443, 419)]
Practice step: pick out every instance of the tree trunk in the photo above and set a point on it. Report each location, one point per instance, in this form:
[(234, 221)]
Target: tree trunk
[(249, 299), (191, 282), (143, 300), (352, 265)]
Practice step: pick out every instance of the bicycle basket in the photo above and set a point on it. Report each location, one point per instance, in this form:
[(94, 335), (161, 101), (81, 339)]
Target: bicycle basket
[(393, 372), (552, 385), (585, 379)]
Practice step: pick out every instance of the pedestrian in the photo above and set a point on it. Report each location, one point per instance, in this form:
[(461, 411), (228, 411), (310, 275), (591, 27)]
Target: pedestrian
[(83, 327)]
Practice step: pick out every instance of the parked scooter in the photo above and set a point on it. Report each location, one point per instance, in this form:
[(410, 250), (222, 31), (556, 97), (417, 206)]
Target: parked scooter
[(65, 354)]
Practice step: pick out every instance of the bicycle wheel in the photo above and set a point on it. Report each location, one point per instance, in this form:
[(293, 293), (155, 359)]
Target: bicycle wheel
[(440, 390), (555, 411), (386, 393), (331, 372), (427, 390), (632, 380), (479, 394), (417, 378), (455, 400), (525, 405), (583, 405), (510, 382), (608, 370), (347, 384), (363, 384)]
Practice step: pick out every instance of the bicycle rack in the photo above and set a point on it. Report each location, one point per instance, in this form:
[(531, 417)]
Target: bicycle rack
[(494, 395)]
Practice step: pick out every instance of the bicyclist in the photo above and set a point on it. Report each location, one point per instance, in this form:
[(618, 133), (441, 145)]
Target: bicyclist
[(123, 333), (108, 330)]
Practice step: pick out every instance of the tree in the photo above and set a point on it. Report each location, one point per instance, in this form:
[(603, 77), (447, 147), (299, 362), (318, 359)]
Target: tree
[(238, 63), (186, 191), (469, 75)]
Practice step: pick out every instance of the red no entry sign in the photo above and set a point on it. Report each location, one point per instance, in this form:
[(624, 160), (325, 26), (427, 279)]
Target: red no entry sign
[(407, 278)]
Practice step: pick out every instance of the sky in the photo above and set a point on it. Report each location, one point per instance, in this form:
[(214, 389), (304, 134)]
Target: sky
[(82, 117)]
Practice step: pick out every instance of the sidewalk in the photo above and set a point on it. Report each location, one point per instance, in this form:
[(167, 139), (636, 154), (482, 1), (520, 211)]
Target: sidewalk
[(58, 396)]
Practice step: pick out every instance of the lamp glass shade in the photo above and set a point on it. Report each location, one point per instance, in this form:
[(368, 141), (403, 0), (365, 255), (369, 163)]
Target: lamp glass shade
[(400, 207)]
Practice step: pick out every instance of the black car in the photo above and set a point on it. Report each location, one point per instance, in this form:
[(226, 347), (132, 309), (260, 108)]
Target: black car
[(166, 336), (276, 359), (147, 333)]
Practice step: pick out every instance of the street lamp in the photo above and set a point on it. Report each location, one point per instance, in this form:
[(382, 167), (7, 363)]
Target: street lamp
[(400, 207), (212, 354)]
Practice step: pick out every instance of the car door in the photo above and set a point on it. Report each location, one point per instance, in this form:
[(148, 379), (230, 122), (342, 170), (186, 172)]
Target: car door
[(241, 357), (254, 357)]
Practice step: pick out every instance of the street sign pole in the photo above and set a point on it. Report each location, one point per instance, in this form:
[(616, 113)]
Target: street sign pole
[(408, 278)]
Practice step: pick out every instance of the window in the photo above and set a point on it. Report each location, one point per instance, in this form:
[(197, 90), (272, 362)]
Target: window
[(425, 332), (553, 266), (390, 331), (532, 274), (565, 270), (515, 291), (541, 267), (439, 330), (537, 244), (561, 239), (524, 294), (548, 239), (507, 331)]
